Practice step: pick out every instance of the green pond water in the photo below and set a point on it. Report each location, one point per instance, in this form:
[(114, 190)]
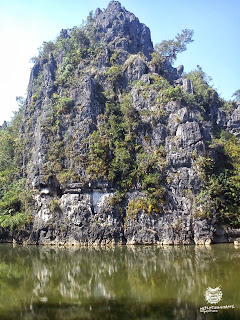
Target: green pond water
[(136, 282)]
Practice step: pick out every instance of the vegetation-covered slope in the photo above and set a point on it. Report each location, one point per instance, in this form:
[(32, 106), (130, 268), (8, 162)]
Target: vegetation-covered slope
[(114, 145)]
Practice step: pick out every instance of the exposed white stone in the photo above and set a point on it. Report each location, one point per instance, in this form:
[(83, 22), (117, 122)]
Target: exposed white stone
[(100, 199)]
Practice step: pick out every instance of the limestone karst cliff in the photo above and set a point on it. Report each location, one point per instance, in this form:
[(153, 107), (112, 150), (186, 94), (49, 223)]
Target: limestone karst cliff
[(118, 148)]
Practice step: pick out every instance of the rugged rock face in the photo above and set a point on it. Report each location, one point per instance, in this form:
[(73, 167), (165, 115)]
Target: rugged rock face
[(68, 96), (233, 123), (123, 30)]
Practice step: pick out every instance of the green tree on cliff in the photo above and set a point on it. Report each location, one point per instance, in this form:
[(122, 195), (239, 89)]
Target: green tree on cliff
[(170, 48), (236, 95)]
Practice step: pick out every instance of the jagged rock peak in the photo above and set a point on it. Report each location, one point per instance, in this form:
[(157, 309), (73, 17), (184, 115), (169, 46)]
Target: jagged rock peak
[(123, 30), (112, 11)]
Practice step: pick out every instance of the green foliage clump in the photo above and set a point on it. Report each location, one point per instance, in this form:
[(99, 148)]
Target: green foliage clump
[(227, 106), (80, 45), (62, 104), (114, 73), (98, 158), (43, 52), (111, 146), (167, 92), (170, 94), (236, 95), (59, 146), (168, 49), (54, 206), (115, 155), (65, 73), (204, 95), (15, 200), (224, 191), (222, 181), (156, 59), (46, 49), (114, 58), (140, 204), (34, 97), (150, 175)]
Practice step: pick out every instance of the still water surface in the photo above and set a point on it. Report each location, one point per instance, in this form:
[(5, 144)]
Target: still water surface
[(137, 282)]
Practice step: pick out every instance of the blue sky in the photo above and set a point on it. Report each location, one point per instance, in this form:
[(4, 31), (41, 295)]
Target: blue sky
[(25, 24)]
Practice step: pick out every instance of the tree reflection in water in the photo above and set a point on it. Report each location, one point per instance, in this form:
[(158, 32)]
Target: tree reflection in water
[(133, 282)]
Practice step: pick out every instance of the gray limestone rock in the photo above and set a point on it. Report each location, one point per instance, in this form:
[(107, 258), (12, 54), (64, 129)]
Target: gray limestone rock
[(135, 70), (57, 123), (123, 30), (187, 86), (221, 119), (188, 134), (233, 124)]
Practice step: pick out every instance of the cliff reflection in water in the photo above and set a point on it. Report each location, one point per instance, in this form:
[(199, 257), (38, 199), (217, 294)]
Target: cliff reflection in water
[(120, 282)]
